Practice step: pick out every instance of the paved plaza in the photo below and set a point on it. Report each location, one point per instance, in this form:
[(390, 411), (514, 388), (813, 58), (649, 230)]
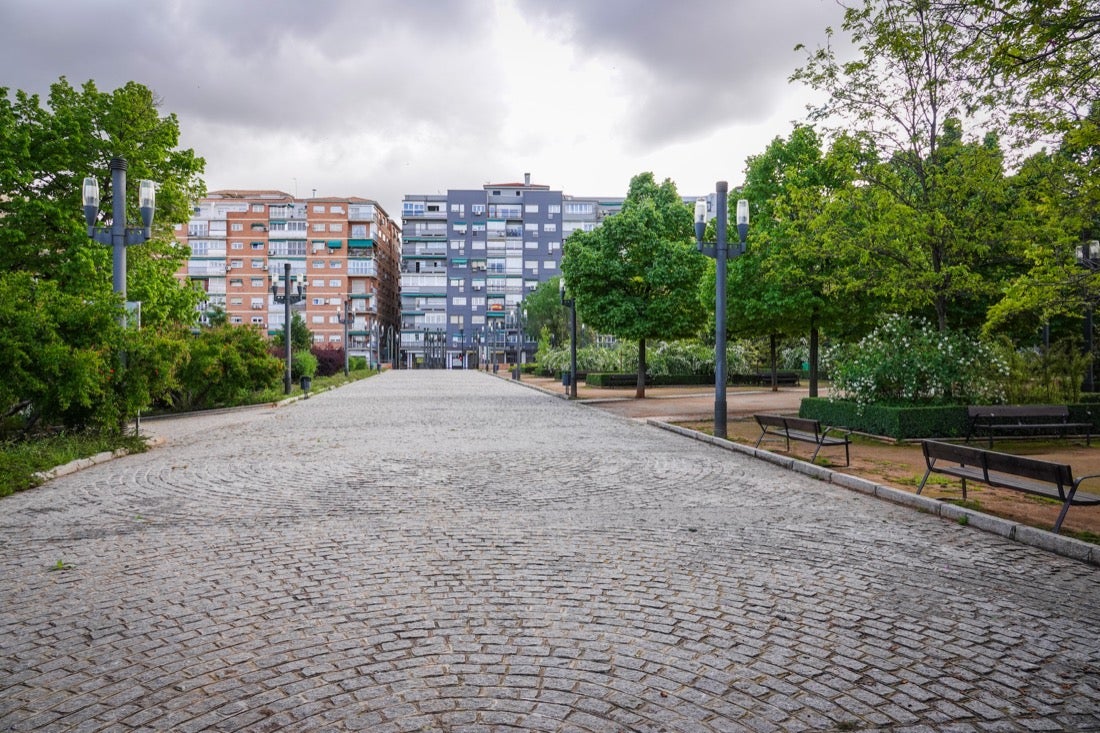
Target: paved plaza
[(448, 551)]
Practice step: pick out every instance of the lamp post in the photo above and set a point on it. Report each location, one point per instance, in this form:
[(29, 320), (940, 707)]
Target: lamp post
[(571, 304), (1088, 257), (344, 321), (119, 236), (287, 299), (390, 343), (721, 253), (376, 344), (462, 345)]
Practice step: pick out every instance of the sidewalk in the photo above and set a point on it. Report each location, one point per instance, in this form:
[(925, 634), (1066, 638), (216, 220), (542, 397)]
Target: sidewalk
[(898, 466)]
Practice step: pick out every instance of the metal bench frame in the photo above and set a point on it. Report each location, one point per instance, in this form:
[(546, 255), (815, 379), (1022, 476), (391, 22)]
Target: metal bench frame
[(1006, 471), (1008, 419), (803, 430)]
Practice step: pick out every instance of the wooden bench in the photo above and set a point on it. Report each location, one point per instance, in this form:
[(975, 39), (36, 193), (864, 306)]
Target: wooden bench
[(1005, 471), (1005, 420), (803, 430), (783, 378)]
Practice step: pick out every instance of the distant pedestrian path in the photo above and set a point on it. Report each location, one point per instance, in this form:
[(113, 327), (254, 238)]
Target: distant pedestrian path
[(448, 551)]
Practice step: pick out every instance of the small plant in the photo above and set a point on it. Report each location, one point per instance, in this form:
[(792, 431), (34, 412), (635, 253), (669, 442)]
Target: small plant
[(60, 565), (963, 520)]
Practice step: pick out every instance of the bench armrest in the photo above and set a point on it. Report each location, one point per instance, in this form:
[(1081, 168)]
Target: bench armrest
[(826, 428), (1077, 481)]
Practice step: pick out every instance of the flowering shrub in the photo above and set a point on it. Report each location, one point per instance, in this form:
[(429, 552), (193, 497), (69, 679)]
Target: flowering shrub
[(907, 362)]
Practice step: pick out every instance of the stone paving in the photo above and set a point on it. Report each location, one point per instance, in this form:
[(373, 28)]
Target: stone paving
[(446, 551)]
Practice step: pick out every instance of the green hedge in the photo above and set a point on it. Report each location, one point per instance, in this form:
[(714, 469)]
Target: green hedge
[(910, 422), (892, 422)]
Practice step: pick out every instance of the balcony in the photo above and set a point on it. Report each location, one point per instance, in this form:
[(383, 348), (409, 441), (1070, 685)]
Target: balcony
[(198, 268), (362, 267)]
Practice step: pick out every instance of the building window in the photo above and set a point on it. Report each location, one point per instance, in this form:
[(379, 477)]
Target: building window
[(237, 245), (317, 284), (256, 246), (335, 264), (531, 227), (318, 226), (553, 209), (318, 264), (257, 282), (236, 301), (257, 208), (531, 209), (317, 319), (334, 283), (336, 226), (235, 320), (549, 265), (458, 300), (459, 209), (257, 264), (550, 227), (237, 226), (317, 209), (258, 320), (236, 282), (460, 227), (477, 209), (336, 209), (318, 301), (359, 231)]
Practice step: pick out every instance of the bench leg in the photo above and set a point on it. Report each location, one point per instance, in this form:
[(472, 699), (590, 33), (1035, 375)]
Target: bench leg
[(1065, 508), (816, 450), (924, 480)]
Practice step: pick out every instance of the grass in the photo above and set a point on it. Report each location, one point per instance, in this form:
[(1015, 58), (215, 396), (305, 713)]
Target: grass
[(20, 461)]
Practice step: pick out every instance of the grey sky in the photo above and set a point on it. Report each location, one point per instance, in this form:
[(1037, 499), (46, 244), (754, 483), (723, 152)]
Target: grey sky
[(379, 98)]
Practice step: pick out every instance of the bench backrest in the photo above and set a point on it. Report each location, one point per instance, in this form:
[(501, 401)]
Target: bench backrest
[(801, 424), (995, 411), (993, 462), (771, 421), (961, 454), (1032, 468)]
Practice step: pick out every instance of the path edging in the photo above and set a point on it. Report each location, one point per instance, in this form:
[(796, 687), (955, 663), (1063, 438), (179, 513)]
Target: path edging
[(1022, 533)]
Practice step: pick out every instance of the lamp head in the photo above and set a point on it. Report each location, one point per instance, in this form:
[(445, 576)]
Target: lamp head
[(90, 192), (147, 201), (700, 219), (742, 218)]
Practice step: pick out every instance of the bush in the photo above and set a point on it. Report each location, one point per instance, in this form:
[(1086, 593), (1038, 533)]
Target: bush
[(900, 423), (1044, 376), (329, 361), (357, 363), (906, 362), (223, 366), (302, 364)]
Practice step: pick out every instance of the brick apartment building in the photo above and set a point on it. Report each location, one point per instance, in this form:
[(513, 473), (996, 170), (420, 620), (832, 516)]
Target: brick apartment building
[(345, 250)]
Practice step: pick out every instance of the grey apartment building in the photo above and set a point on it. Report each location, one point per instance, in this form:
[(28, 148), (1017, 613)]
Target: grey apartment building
[(468, 259)]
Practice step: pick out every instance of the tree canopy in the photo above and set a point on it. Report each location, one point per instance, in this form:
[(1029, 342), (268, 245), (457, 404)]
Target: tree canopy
[(636, 275)]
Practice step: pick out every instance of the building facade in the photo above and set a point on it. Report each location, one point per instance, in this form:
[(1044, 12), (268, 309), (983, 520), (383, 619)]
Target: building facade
[(468, 260), (345, 252)]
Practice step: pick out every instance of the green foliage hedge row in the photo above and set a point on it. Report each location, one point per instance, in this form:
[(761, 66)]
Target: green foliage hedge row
[(892, 422), (909, 423)]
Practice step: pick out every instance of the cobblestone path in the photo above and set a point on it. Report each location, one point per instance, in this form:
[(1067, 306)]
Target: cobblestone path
[(448, 551)]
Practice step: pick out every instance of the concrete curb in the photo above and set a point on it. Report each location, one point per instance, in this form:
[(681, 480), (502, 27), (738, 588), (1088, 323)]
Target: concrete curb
[(81, 463), (1022, 533)]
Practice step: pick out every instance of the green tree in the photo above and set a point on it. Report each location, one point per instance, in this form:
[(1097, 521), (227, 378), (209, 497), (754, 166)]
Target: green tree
[(789, 282), (46, 150), (301, 338), (930, 212), (546, 312), (223, 366), (636, 275)]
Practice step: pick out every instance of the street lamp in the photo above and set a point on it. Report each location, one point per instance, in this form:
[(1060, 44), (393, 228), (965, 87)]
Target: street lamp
[(119, 236), (344, 321), (721, 253), (571, 304), (287, 299), (1088, 256)]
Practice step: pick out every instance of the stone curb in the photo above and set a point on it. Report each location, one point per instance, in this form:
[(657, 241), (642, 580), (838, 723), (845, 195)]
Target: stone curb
[(1022, 533), (81, 463)]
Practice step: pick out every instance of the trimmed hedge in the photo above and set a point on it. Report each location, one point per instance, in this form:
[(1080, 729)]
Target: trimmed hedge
[(909, 423), (893, 422)]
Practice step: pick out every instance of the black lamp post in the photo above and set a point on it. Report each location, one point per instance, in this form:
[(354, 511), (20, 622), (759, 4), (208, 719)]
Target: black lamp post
[(721, 253), (571, 304), (1088, 256), (119, 236), (287, 299), (345, 320)]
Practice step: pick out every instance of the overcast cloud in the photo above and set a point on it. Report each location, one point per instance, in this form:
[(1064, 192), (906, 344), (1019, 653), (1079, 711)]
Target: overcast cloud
[(379, 98)]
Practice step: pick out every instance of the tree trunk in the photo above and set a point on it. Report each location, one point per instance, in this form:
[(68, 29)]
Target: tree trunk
[(775, 375), (640, 391), (814, 347)]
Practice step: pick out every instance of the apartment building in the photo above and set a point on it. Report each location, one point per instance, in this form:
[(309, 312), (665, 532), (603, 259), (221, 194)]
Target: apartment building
[(344, 251), (469, 258)]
